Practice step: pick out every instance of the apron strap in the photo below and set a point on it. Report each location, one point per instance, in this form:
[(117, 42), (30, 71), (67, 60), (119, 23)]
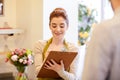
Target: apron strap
[(46, 47)]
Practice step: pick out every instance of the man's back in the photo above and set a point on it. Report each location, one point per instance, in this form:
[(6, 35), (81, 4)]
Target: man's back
[(114, 73), (102, 61)]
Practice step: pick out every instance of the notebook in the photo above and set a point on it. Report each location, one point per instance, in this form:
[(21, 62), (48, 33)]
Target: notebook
[(67, 58)]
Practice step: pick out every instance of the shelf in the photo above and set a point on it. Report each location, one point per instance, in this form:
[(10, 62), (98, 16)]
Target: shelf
[(10, 31)]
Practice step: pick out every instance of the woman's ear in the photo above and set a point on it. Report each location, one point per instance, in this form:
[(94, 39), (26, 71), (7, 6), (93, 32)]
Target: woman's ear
[(67, 27), (50, 26)]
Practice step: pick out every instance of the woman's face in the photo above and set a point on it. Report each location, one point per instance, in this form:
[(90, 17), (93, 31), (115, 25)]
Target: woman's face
[(58, 27)]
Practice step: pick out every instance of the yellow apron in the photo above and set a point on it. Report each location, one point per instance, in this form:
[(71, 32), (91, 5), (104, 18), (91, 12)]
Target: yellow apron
[(48, 79), (44, 51)]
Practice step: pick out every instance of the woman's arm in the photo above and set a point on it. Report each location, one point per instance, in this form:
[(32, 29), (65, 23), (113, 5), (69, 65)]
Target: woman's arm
[(38, 47), (73, 73)]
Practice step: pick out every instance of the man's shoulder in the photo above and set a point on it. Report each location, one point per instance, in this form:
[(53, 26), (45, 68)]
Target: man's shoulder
[(104, 25)]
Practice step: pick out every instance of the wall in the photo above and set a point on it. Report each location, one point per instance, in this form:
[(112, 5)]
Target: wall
[(9, 13), (29, 18), (10, 17), (27, 15), (37, 20)]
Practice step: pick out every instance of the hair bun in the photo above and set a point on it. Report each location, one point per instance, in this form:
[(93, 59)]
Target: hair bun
[(60, 10)]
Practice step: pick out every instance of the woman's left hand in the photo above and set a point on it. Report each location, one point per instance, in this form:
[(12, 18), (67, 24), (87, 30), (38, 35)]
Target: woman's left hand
[(52, 65)]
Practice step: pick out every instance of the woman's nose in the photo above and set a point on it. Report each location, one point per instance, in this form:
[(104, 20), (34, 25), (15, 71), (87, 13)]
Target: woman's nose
[(58, 28)]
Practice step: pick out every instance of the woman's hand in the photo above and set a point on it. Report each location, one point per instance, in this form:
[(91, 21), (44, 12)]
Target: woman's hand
[(52, 65)]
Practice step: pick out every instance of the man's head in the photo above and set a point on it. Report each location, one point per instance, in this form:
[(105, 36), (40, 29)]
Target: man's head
[(115, 4)]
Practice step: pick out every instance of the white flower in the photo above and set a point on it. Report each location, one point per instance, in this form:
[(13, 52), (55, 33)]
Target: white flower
[(25, 57), (30, 56), (14, 58), (20, 60)]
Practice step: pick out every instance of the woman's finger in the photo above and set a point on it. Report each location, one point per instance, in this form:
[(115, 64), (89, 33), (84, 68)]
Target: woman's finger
[(61, 62), (47, 66), (53, 62), (49, 63)]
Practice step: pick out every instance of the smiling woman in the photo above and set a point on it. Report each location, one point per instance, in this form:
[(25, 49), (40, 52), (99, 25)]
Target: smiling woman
[(1, 7), (58, 24)]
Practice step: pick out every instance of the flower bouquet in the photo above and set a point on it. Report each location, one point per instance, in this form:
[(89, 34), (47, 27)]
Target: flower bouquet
[(20, 58), (86, 20)]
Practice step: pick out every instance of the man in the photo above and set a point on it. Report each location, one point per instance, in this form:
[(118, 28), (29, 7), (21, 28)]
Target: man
[(102, 60)]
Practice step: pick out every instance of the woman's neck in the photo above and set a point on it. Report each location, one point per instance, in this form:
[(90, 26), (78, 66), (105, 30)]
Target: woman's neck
[(56, 45), (57, 41)]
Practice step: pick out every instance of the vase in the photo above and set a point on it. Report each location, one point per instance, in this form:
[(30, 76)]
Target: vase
[(21, 73)]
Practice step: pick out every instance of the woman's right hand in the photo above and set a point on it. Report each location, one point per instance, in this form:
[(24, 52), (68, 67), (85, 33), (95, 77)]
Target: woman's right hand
[(52, 65)]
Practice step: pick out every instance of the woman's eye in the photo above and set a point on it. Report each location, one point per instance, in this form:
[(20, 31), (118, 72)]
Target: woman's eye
[(54, 26), (62, 26)]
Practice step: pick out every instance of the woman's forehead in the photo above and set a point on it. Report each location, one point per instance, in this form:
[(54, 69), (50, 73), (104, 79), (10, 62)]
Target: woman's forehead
[(58, 19)]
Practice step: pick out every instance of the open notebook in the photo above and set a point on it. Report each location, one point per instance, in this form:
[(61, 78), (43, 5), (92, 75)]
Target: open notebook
[(67, 58)]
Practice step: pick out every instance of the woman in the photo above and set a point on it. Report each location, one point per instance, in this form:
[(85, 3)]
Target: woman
[(58, 25)]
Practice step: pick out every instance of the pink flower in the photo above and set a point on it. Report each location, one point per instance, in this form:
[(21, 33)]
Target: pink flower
[(30, 61), (25, 62), (7, 59), (12, 53), (24, 50), (20, 54), (16, 51)]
